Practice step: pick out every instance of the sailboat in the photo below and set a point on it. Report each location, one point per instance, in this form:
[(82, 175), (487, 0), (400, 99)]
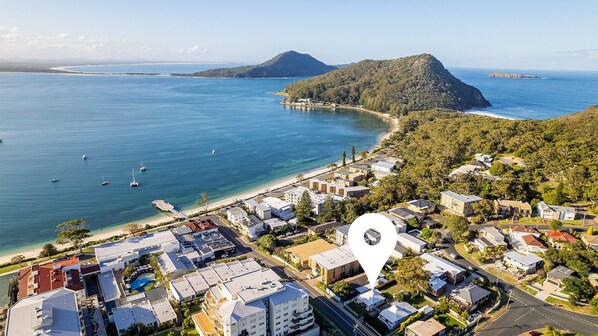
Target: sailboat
[(104, 182), (213, 151), (54, 180), (84, 157), (142, 168), (134, 183)]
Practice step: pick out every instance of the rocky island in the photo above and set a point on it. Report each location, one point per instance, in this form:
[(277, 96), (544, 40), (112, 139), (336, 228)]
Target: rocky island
[(393, 86), (512, 75), (287, 64)]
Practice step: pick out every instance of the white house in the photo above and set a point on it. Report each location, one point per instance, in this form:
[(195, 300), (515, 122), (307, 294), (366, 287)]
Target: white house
[(263, 211), (526, 263), (395, 314), (408, 241), (421, 206), (383, 168), (236, 215), (547, 211), (489, 237), (280, 208), (371, 300), (252, 227)]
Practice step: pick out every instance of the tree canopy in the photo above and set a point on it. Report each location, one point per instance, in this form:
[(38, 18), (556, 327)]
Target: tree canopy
[(73, 231)]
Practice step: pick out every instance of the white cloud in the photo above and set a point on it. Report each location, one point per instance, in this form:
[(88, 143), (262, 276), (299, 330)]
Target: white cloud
[(64, 35), (195, 49)]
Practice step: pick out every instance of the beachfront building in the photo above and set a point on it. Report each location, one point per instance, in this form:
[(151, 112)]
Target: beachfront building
[(255, 303), (38, 279), (51, 313), (275, 225), (252, 227), (408, 241), (250, 204), (338, 189), (526, 264), (509, 209), (558, 212), (458, 204), (383, 168), (280, 208), (117, 255), (429, 327), (173, 265), (236, 215), (294, 195), (395, 314), (263, 211), (209, 245), (421, 206), (335, 264)]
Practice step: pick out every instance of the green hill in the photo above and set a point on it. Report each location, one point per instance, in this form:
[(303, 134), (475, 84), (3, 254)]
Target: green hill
[(287, 64), (396, 86)]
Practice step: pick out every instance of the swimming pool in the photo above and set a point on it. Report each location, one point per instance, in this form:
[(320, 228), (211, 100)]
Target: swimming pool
[(142, 280)]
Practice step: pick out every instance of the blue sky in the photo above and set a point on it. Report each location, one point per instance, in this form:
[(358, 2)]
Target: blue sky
[(497, 34)]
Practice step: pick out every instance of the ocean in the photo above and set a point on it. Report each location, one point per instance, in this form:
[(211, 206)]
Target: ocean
[(48, 121)]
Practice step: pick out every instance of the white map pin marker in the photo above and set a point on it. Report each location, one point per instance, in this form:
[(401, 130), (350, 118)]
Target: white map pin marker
[(372, 257)]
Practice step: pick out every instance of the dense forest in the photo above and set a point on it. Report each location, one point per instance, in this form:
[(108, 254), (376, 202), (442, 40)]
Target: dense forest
[(395, 86), (287, 64), (560, 159)]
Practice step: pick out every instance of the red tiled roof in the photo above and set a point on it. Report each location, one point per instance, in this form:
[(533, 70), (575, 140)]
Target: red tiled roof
[(203, 225), (49, 276), (561, 236), (524, 229), (533, 241)]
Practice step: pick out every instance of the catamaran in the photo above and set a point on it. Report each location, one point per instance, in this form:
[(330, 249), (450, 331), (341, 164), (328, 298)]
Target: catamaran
[(142, 168), (134, 183)]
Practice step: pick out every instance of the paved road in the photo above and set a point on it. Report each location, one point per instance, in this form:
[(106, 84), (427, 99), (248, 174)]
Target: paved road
[(324, 305), (526, 312)]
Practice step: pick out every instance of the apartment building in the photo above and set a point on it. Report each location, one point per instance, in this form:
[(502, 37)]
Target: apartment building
[(458, 204)]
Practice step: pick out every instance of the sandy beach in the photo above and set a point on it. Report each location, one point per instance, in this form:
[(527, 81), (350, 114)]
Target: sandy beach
[(155, 221)]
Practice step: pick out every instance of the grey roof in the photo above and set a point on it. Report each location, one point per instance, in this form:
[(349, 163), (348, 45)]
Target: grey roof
[(109, 286), (263, 206), (125, 316), (170, 262), (525, 259), (234, 311), (292, 291), (421, 203), (398, 311), (462, 198), (52, 313), (344, 229), (403, 213), (560, 273), (560, 208), (471, 293), (163, 310)]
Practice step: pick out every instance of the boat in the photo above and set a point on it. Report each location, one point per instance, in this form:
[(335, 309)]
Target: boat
[(213, 151), (134, 183), (54, 180), (142, 168), (104, 182), (84, 157)]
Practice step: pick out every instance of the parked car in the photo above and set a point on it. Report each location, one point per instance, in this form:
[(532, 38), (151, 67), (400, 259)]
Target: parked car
[(452, 255)]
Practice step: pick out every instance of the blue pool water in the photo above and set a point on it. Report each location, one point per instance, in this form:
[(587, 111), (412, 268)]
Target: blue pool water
[(142, 280)]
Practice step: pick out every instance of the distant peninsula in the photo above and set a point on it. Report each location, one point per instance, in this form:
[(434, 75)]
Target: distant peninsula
[(393, 86), (287, 64), (512, 75)]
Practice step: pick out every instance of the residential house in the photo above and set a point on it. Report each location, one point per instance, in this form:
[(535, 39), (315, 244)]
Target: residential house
[(408, 241), (405, 214), (276, 225), (489, 237), (526, 239), (145, 312), (556, 275), (341, 235), (527, 264), (593, 279), (280, 208), (560, 239), (50, 313), (349, 175), (250, 204), (383, 168), (335, 264), (395, 314), (236, 215), (458, 204), (263, 211), (252, 227), (371, 299), (300, 254), (421, 206), (429, 327), (470, 297), (173, 266), (443, 269), (509, 209), (399, 252), (547, 211), (398, 222), (591, 242), (202, 226)]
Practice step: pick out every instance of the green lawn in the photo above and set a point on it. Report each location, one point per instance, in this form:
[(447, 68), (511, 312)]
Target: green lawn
[(194, 307), (8, 269), (449, 322), (589, 310), (503, 275), (353, 306), (528, 289)]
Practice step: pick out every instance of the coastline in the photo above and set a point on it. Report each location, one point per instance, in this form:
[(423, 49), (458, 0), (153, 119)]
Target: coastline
[(159, 219)]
